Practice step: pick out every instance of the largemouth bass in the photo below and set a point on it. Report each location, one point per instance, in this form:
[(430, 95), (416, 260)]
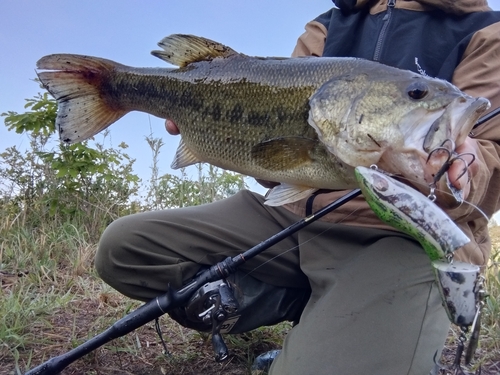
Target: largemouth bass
[(304, 122)]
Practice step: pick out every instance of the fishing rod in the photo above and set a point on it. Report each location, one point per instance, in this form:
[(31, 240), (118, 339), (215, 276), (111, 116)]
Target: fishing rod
[(176, 298), (487, 117)]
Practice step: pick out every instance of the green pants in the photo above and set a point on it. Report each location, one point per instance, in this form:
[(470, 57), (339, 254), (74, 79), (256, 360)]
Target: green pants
[(374, 307)]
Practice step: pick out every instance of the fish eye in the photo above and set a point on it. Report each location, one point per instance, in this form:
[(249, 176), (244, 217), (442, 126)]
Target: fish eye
[(418, 90)]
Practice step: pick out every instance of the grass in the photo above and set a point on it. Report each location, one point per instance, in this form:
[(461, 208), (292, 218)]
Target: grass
[(52, 301), (55, 202)]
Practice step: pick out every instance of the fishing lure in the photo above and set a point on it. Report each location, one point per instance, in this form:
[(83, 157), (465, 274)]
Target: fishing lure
[(460, 284), (411, 212)]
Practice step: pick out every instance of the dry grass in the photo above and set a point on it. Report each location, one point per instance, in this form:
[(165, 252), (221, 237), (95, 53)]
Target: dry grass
[(47, 314), (52, 301)]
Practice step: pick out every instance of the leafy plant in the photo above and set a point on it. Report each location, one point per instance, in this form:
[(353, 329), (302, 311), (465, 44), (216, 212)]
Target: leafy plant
[(55, 201), (172, 191), (54, 182)]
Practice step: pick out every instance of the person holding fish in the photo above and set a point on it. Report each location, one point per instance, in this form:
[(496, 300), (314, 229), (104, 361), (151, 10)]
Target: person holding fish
[(363, 294)]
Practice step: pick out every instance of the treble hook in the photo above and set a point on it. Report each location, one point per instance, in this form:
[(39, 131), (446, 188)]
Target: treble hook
[(455, 368), (446, 165), (467, 165), (450, 160)]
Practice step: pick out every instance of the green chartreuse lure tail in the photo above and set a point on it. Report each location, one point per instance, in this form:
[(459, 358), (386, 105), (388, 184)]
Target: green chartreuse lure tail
[(411, 212)]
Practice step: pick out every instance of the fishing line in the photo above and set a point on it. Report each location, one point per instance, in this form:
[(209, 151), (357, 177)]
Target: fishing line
[(231, 252), (300, 244), (443, 192), (414, 182)]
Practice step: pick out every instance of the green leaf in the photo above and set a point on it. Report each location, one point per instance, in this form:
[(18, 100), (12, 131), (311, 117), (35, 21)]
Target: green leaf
[(62, 172)]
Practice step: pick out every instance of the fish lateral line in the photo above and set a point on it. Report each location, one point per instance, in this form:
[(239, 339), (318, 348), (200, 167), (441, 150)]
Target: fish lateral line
[(254, 115)]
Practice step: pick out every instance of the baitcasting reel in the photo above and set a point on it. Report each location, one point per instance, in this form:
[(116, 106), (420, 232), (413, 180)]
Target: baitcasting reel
[(215, 306), (236, 304)]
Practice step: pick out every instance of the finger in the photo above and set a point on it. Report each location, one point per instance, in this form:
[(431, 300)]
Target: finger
[(459, 174), (465, 150), (171, 127)]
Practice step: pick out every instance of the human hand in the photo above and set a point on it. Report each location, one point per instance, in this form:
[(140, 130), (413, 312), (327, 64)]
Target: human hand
[(171, 127), (465, 166)]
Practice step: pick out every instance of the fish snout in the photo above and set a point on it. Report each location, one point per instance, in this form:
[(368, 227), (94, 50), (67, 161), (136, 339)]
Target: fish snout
[(456, 122)]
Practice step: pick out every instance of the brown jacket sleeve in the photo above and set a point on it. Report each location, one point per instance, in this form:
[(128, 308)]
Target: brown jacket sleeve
[(312, 42), (478, 74)]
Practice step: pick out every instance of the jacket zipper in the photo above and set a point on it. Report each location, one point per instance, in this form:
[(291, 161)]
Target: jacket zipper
[(383, 32)]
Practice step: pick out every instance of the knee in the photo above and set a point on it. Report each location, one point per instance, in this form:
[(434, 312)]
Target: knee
[(133, 259), (111, 251)]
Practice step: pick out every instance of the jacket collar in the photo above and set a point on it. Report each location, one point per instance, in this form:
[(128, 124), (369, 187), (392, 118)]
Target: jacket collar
[(448, 6)]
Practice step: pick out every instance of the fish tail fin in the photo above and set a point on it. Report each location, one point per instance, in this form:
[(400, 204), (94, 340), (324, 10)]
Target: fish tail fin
[(75, 81)]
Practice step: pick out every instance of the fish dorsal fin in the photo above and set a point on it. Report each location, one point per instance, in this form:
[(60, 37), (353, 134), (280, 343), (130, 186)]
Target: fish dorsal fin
[(184, 157), (182, 49), (283, 153), (286, 193)]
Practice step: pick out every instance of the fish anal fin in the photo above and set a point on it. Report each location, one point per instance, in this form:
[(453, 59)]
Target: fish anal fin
[(75, 82), (283, 153), (184, 157), (182, 49), (286, 193)]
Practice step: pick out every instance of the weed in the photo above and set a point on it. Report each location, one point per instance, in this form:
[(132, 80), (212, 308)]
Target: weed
[(50, 297)]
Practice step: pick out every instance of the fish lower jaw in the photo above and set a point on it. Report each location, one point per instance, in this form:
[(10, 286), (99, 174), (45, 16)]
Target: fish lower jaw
[(409, 165), (465, 116)]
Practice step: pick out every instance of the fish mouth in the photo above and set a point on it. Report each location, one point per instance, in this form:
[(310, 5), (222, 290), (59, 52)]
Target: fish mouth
[(455, 123), (425, 131), (447, 133)]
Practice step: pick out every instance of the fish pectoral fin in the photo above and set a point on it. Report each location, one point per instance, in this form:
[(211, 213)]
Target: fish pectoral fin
[(182, 49), (184, 157), (283, 153), (286, 193)]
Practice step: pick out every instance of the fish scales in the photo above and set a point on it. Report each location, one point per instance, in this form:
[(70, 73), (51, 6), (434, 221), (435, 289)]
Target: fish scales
[(223, 126), (304, 122)]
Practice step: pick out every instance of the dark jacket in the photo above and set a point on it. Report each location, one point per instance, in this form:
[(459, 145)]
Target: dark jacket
[(454, 40)]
